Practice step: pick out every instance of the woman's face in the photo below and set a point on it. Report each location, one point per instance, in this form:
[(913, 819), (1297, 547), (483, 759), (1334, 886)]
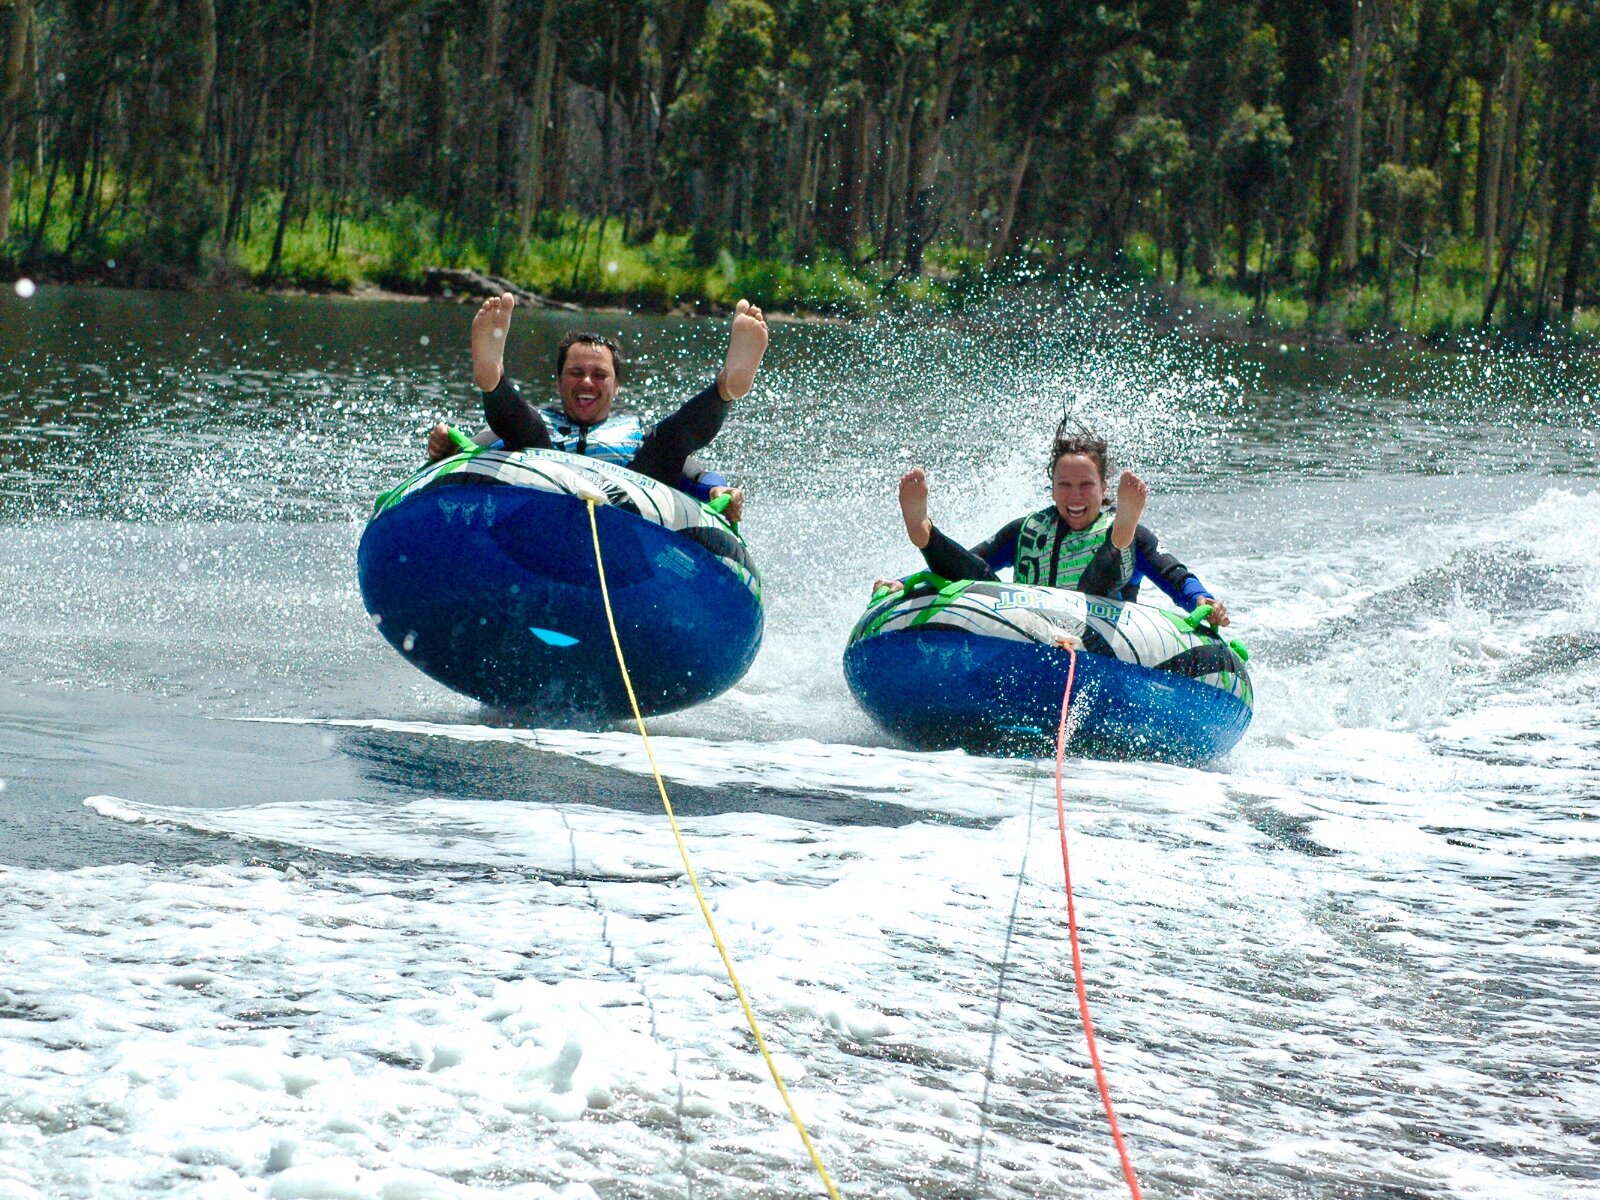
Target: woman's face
[(1078, 490)]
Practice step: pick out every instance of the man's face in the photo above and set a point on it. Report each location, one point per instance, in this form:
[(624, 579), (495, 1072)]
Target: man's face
[(588, 383)]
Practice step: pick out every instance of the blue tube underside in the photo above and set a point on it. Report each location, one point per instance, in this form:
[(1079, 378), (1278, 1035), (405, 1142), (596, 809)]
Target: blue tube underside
[(941, 688), (493, 591)]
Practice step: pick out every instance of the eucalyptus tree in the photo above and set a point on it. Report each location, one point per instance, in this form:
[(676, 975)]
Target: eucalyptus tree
[(1574, 144), (1254, 153), (16, 25)]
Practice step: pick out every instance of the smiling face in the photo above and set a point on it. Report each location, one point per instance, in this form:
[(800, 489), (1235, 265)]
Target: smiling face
[(1078, 489), (588, 383)]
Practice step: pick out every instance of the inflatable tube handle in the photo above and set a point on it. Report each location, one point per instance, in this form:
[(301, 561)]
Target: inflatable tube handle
[(462, 443), (911, 583), (719, 506), (1195, 619)]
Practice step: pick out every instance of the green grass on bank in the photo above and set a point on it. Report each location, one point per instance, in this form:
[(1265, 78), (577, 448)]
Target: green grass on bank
[(569, 257), (566, 257), (601, 263), (1444, 306)]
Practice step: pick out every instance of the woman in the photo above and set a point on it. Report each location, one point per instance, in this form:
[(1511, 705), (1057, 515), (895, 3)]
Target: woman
[(1079, 541)]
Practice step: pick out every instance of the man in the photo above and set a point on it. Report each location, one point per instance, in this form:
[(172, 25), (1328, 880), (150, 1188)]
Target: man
[(586, 423)]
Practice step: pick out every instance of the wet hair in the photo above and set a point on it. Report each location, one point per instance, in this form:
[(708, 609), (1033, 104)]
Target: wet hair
[(1072, 436), (578, 337)]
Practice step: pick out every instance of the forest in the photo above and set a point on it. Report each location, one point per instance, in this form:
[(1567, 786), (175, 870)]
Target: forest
[(1349, 165)]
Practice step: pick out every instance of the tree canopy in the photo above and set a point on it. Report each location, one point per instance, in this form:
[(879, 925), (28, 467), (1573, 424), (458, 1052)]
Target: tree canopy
[(1310, 149)]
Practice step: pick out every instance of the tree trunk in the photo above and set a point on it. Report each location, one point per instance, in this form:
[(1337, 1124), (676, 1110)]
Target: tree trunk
[(182, 205), (1363, 29), (243, 172), (860, 166), (486, 111), (1544, 259), (1442, 129), (555, 182), (894, 137), (1001, 246), (292, 166), (1487, 138), (1513, 241), (1516, 90), (1455, 180), (1578, 241), (804, 217), (929, 140), (1241, 261), (31, 121), (436, 137), (679, 24), (1323, 289), (15, 46), (544, 68)]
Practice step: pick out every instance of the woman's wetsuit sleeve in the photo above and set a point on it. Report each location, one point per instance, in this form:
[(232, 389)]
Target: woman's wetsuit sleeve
[(1182, 585), (954, 561), (517, 422), (670, 441), (698, 479)]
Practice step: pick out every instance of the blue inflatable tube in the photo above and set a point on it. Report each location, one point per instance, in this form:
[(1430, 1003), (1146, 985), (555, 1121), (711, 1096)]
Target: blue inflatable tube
[(983, 666), (481, 571)]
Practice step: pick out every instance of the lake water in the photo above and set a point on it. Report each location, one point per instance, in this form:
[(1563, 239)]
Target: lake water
[(283, 918)]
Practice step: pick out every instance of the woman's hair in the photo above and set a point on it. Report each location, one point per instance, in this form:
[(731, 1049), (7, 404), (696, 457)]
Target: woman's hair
[(1074, 437), (578, 337)]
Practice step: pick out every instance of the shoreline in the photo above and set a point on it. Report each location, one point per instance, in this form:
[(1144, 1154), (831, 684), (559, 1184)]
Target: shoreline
[(1166, 311)]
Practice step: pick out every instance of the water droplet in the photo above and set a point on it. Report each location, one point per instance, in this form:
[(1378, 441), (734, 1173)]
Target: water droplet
[(26, 288), (409, 642), (424, 339)]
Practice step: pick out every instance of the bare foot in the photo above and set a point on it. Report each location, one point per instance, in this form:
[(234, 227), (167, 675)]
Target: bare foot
[(1132, 492), (747, 342), (914, 506), (489, 329)]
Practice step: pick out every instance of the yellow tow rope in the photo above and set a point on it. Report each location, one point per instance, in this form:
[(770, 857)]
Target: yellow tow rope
[(705, 909)]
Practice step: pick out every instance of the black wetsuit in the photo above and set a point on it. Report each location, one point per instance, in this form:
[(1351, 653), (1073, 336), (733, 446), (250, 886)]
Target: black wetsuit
[(1103, 577)]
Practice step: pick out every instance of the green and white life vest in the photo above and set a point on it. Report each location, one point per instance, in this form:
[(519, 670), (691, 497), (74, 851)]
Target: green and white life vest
[(1051, 555)]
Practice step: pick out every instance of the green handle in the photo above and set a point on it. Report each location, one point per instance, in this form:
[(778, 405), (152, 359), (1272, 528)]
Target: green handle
[(1197, 618), (462, 443), (917, 580), (720, 504), (925, 579)]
